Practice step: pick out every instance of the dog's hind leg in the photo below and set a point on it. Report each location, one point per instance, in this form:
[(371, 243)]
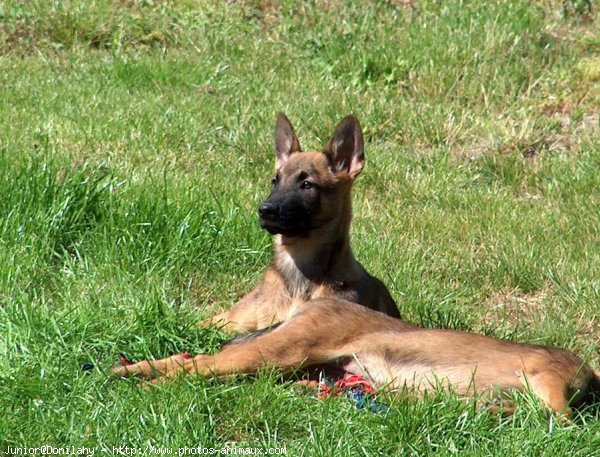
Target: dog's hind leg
[(299, 342), (149, 368), (245, 359), (289, 347)]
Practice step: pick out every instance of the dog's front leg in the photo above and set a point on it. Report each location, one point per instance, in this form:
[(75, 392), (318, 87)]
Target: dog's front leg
[(264, 306), (241, 318)]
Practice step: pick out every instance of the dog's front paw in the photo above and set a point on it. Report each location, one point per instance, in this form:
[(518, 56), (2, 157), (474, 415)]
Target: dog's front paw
[(223, 323)]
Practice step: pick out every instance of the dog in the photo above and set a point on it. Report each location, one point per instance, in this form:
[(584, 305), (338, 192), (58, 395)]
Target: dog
[(316, 305), (394, 355), (309, 213)]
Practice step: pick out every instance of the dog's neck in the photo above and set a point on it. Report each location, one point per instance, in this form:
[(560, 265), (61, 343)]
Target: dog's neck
[(305, 262)]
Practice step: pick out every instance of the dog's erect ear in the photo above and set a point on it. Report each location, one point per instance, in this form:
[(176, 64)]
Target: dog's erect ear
[(346, 148), (286, 141)]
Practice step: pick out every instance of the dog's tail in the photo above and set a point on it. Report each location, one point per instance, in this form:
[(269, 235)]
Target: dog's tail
[(593, 391), (595, 384), (587, 389)]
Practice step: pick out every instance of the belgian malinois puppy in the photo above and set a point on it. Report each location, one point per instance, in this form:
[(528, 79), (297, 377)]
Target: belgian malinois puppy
[(309, 213), (313, 290), (393, 355)]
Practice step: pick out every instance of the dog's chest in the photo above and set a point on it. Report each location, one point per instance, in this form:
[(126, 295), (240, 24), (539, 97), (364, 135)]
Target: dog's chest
[(304, 280), (295, 277)]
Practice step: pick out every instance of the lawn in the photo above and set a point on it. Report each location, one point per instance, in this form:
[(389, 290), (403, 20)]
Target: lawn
[(136, 142)]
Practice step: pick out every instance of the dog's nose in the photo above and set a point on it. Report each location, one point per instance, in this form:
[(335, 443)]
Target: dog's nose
[(267, 209)]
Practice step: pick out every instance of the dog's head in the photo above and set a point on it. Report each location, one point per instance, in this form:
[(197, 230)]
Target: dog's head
[(311, 189)]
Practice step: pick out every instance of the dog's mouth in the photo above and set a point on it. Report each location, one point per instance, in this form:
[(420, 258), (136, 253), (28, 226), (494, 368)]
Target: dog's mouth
[(276, 226)]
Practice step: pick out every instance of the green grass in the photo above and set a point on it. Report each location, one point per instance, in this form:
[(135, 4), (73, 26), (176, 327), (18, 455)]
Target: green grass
[(136, 143)]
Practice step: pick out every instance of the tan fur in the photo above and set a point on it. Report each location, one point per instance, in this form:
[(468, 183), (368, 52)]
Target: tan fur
[(394, 355), (320, 265), (314, 289)]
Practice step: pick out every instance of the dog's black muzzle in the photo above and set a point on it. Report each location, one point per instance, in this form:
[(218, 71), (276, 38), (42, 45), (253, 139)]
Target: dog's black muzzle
[(276, 219)]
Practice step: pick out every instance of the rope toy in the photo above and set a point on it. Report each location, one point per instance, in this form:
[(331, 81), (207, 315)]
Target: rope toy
[(352, 386)]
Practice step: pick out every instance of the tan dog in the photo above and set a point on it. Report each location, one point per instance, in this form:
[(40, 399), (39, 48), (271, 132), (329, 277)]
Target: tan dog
[(312, 290), (309, 212), (394, 355)]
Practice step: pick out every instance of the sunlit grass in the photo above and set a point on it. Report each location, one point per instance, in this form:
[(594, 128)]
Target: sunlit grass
[(136, 143)]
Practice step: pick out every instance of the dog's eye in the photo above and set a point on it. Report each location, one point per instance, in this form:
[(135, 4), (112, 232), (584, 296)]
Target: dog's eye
[(307, 185), (274, 181)]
